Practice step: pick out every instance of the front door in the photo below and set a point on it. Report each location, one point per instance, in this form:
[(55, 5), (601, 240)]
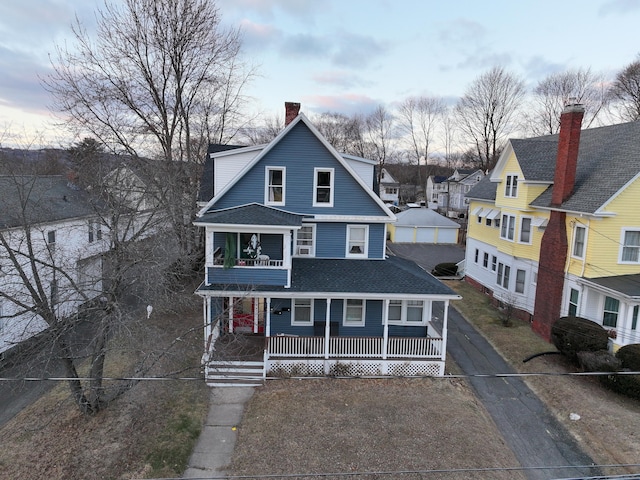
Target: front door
[(247, 315)]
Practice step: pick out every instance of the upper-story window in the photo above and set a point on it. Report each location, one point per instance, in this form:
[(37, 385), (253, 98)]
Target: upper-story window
[(275, 185), (357, 240), (305, 241), (511, 187), (323, 187), (525, 230), (95, 231), (630, 246), (51, 240), (579, 234), (508, 227)]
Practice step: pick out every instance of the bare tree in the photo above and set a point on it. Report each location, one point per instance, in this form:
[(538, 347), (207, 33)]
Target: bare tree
[(486, 111), (555, 91), (344, 133), (418, 118), (625, 92), (161, 79), (378, 137)]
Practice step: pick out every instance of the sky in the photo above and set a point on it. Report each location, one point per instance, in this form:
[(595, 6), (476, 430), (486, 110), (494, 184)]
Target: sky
[(343, 56)]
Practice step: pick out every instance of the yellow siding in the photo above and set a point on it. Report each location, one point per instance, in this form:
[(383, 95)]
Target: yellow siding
[(512, 167), (480, 231), (605, 236)]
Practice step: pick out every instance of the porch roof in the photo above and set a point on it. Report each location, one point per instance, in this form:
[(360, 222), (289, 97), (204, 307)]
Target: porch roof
[(252, 214), (628, 285), (318, 276)]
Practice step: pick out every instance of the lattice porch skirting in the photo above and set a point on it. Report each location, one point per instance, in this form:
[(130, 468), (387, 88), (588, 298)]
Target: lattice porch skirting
[(297, 367)]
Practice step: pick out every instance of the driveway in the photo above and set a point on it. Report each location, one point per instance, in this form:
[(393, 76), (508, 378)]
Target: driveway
[(427, 255)]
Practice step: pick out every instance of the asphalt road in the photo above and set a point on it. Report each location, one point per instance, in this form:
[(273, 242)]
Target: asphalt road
[(534, 435)]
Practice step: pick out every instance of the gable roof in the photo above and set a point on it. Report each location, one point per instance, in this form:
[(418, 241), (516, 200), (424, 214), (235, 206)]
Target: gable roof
[(252, 214), (41, 199), (301, 118), (483, 190), (424, 217)]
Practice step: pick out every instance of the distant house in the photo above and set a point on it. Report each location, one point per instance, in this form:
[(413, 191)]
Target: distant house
[(389, 188), (448, 195), (51, 232), (423, 225), (295, 256), (555, 229), (437, 189)]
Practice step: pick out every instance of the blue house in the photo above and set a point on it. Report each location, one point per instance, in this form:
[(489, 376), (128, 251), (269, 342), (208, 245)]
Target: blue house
[(296, 258)]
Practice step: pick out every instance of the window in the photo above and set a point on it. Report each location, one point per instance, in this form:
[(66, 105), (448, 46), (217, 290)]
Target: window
[(391, 191), (521, 276), (51, 240), (274, 194), (357, 236), (511, 187), (578, 241), (634, 317), (406, 312), (508, 227), (354, 313), (475, 259), (574, 296), (305, 241), (95, 230), (502, 277), (631, 246), (323, 187), (485, 260), (494, 263), (610, 315), (525, 230), (302, 311)]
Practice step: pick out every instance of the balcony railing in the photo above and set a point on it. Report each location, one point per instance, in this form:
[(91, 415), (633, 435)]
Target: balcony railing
[(249, 262), (354, 347)]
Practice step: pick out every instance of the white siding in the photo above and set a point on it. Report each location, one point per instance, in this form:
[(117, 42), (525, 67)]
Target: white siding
[(228, 167)]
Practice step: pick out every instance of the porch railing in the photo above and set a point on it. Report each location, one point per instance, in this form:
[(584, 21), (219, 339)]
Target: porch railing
[(354, 347), (250, 262)]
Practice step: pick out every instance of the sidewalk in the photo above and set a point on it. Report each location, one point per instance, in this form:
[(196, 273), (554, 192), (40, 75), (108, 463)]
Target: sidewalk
[(212, 453)]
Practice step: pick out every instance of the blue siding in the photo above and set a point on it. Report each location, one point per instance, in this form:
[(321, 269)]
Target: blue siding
[(377, 241), (331, 239), (300, 152), (247, 276)]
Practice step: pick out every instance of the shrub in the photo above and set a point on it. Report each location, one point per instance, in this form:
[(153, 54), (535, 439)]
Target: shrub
[(600, 361), (447, 269), (629, 355), (571, 335)]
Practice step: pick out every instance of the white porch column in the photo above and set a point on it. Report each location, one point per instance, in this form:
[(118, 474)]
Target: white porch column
[(327, 329), (445, 318), (385, 326), (267, 319), (206, 306), (256, 304), (286, 257), (230, 314)]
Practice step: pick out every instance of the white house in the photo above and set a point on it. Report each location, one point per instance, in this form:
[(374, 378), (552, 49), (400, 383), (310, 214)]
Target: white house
[(51, 246)]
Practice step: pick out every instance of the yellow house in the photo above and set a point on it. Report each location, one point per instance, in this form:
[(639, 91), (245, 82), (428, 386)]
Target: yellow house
[(554, 230)]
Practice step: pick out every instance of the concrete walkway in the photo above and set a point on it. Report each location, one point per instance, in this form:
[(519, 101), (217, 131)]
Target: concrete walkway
[(213, 451)]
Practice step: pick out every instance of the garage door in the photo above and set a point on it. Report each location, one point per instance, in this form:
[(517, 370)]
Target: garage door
[(403, 235), (426, 235)]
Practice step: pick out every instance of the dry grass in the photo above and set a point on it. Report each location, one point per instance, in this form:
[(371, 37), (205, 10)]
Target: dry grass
[(52, 440), (609, 425)]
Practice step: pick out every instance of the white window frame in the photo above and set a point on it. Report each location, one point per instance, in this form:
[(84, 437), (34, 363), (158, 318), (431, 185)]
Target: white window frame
[(624, 245), (575, 304), (575, 244), (299, 243), (508, 228), (485, 260), (511, 186), (615, 314), (520, 282), (304, 305), (405, 306), (317, 171), (268, 186), (521, 230), (503, 275), (365, 252), (494, 263), (363, 312), (95, 231), (51, 240)]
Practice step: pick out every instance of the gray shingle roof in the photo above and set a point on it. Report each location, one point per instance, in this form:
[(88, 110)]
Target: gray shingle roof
[(483, 190), (424, 217), (252, 214), (41, 199), (608, 158), (626, 284), (393, 275)]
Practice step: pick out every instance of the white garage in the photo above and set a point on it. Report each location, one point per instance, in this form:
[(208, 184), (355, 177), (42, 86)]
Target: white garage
[(423, 225)]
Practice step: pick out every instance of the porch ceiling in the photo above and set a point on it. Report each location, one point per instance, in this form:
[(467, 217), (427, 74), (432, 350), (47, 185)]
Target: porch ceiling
[(393, 276)]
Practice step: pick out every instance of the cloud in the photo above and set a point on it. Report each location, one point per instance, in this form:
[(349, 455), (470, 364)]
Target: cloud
[(346, 104), (269, 9), (618, 7), (19, 84), (259, 36), (341, 79), (357, 50), (462, 32), (305, 46), (537, 68)]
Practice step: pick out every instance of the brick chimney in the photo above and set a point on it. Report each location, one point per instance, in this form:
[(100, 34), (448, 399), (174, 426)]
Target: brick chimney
[(291, 111), (554, 245)]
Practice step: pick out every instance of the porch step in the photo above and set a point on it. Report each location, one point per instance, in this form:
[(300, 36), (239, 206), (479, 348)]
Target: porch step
[(234, 374)]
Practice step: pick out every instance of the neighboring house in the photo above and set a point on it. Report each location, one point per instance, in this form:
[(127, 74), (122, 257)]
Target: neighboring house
[(423, 225), (295, 253), (564, 243), (448, 195), (389, 188), (50, 228)]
